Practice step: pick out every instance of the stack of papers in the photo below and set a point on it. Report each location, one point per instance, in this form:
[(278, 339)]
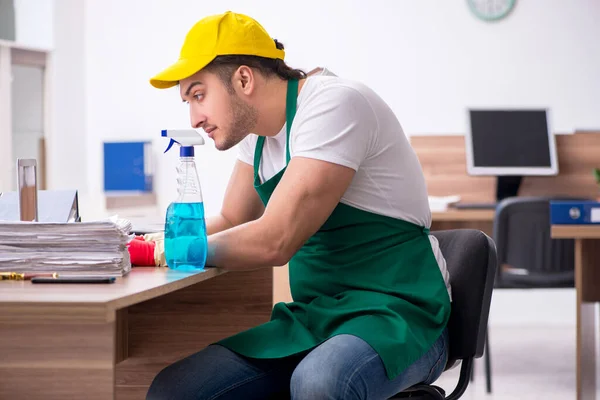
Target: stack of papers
[(79, 248), (441, 203)]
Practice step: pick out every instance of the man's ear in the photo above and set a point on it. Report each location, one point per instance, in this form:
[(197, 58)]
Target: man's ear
[(244, 80)]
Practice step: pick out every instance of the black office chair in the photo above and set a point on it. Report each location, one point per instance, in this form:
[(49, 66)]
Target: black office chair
[(471, 261), (527, 256)]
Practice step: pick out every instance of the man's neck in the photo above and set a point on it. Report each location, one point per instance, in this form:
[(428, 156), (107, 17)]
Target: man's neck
[(272, 108)]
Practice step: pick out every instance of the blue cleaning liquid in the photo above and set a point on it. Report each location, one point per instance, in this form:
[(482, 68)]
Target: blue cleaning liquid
[(185, 236)]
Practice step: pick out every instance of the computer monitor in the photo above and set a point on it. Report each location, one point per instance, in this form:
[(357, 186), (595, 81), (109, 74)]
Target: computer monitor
[(510, 144)]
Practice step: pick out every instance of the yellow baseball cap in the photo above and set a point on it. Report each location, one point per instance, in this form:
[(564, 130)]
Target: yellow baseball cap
[(223, 34)]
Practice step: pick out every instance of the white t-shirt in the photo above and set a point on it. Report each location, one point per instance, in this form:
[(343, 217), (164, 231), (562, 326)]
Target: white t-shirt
[(346, 123)]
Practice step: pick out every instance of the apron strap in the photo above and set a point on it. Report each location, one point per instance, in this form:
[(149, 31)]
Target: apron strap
[(257, 154), (290, 113)]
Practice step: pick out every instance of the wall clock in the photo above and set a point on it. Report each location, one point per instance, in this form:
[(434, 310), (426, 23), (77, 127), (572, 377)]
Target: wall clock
[(491, 10)]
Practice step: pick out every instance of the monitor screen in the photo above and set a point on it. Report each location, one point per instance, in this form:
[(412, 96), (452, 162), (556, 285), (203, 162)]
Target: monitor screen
[(510, 142)]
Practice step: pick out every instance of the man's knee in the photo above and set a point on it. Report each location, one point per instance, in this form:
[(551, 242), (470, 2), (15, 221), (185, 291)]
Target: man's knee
[(314, 382), (185, 378), (164, 384), (335, 370)]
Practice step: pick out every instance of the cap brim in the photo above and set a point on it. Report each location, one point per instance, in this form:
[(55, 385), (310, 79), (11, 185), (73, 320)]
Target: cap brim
[(183, 68)]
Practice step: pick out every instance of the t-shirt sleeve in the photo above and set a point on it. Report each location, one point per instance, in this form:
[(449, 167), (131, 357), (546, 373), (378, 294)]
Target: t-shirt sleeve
[(336, 124), (246, 149)]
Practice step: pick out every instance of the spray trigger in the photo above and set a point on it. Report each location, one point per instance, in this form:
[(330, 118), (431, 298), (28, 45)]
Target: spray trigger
[(171, 143)]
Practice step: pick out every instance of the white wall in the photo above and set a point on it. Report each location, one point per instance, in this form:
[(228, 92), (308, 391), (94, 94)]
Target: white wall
[(68, 136), (34, 23), (429, 59), (27, 113)]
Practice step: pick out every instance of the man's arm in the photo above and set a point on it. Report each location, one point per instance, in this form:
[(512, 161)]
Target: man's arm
[(330, 141), (303, 200), (241, 203)]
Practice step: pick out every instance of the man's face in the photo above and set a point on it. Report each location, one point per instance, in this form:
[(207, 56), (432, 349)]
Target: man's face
[(224, 116)]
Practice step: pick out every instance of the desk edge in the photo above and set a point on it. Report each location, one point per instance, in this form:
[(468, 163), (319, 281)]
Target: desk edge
[(575, 231)]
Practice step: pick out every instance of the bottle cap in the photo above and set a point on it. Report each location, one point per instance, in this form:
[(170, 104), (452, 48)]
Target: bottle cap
[(186, 151)]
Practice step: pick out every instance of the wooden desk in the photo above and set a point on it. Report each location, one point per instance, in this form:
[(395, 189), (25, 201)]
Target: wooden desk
[(108, 341), (587, 284), (456, 215)]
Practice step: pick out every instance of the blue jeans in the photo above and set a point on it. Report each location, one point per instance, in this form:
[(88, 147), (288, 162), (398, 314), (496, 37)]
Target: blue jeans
[(343, 367)]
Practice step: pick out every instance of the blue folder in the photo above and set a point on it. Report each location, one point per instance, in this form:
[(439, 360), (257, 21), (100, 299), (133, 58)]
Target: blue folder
[(128, 167), (574, 212)]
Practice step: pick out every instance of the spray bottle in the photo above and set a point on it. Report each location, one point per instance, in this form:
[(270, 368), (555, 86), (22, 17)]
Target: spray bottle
[(185, 227)]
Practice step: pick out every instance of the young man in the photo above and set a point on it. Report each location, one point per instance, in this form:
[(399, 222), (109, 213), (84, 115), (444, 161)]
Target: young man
[(328, 182)]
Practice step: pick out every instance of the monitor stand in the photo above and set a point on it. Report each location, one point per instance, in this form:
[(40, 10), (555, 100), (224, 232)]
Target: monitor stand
[(507, 186)]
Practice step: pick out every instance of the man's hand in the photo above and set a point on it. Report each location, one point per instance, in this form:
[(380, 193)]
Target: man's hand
[(306, 195), (148, 250), (141, 252)]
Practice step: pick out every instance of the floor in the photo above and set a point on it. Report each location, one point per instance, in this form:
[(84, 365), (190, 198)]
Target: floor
[(527, 363)]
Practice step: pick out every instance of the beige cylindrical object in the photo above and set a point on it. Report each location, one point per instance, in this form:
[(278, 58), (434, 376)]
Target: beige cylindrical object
[(27, 189)]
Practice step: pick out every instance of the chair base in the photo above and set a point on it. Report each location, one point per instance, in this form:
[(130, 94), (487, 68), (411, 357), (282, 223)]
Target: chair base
[(431, 392), (422, 392)]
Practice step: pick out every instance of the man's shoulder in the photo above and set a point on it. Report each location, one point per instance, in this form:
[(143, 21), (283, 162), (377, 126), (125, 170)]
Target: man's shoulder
[(340, 91), (332, 90), (333, 82)]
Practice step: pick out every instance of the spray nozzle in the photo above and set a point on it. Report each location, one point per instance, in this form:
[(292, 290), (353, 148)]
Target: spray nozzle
[(185, 138)]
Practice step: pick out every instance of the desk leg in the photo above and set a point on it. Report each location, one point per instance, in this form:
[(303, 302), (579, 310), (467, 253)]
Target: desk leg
[(586, 317), (53, 352), (165, 329)]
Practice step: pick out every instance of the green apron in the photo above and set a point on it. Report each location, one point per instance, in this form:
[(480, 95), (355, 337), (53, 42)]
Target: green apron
[(362, 274)]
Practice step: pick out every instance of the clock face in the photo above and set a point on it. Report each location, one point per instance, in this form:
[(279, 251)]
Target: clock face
[(491, 10)]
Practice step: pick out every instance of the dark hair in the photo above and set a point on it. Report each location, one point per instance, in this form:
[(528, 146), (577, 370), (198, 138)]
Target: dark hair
[(225, 66)]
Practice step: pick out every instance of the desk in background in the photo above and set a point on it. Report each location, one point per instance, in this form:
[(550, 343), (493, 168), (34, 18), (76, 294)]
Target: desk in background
[(587, 284), (443, 161), (108, 341)]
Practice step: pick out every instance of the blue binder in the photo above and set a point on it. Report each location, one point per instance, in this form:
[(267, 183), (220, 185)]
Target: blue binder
[(574, 212), (127, 167)]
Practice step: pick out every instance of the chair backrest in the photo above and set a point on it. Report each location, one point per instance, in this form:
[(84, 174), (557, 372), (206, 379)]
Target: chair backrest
[(471, 261), (522, 236)]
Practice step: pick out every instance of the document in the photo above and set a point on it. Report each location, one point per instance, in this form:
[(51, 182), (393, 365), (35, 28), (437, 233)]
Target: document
[(76, 248)]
